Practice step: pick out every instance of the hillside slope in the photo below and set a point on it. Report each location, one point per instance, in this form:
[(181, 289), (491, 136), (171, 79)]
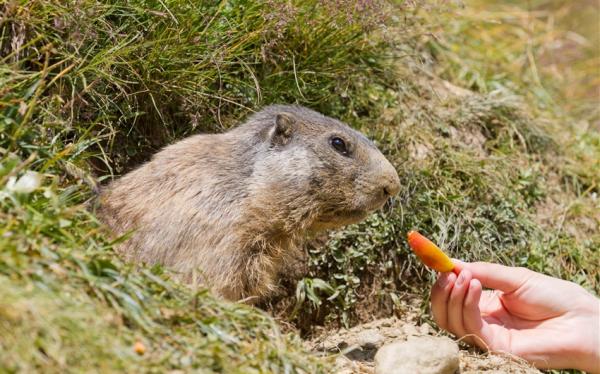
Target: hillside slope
[(498, 154)]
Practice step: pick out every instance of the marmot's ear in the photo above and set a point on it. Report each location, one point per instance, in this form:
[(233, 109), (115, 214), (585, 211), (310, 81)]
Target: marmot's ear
[(282, 130)]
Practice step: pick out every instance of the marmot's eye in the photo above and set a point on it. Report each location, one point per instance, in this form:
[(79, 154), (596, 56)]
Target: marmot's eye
[(339, 145)]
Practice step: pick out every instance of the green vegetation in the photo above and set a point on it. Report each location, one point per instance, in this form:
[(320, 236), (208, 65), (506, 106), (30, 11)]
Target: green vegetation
[(499, 159), (90, 87)]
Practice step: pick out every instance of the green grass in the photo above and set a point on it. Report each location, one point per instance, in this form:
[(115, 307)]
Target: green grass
[(504, 168), (91, 88), (492, 168), (69, 304)]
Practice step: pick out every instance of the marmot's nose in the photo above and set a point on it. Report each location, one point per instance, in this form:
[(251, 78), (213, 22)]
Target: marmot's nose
[(390, 182), (391, 186)]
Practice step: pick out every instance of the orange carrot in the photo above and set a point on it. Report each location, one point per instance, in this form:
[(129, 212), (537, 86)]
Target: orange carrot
[(429, 253)]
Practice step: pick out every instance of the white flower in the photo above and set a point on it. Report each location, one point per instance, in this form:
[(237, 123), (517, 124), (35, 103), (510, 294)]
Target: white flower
[(29, 182)]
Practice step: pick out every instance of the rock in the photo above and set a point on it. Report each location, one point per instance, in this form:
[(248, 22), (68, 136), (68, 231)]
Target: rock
[(425, 329), (410, 329), (418, 355), (392, 333), (364, 345), (369, 338), (344, 365)]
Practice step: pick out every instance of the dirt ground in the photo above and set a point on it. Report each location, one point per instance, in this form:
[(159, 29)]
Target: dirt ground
[(358, 345)]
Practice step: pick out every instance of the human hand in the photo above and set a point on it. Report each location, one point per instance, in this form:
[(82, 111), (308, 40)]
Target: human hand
[(549, 322)]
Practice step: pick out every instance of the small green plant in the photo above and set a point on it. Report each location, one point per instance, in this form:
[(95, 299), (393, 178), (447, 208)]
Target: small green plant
[(479, 169)]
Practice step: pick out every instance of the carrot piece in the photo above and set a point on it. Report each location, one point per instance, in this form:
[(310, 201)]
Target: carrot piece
[(429, 253)]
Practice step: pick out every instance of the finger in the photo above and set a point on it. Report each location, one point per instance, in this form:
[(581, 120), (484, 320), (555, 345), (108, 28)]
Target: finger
[(440, 293), (504, 278), (455, 304), (473, 322)]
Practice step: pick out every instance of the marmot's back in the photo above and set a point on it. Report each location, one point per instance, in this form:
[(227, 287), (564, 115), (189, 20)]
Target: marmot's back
[(226, 210)]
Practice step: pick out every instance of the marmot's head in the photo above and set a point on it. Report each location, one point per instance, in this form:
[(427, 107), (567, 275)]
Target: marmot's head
[(318, 169)]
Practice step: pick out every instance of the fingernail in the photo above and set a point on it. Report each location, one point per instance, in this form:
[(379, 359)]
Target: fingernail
[(451, 278), (443, 280), (460, 279)]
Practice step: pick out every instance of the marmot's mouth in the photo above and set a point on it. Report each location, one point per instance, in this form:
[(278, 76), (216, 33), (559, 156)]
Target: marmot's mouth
[(349, 214), (341, 218), (373, 205)]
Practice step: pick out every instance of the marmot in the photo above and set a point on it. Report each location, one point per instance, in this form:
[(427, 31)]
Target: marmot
[(227, 209)]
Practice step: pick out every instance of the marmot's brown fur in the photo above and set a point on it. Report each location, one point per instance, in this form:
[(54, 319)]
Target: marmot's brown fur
[(226, 210)]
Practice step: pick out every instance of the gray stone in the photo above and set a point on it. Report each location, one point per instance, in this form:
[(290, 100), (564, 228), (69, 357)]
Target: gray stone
[(369, 338), (418, 355), (410, 329), (425, 329)]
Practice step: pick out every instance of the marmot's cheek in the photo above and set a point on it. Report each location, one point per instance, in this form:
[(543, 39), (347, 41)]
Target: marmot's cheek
[(362, 203), (376, 204)]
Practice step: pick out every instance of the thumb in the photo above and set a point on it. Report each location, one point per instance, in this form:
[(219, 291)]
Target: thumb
[(504, 278)]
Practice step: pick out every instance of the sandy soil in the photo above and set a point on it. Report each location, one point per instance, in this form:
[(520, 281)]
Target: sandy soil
[(357, 347)]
